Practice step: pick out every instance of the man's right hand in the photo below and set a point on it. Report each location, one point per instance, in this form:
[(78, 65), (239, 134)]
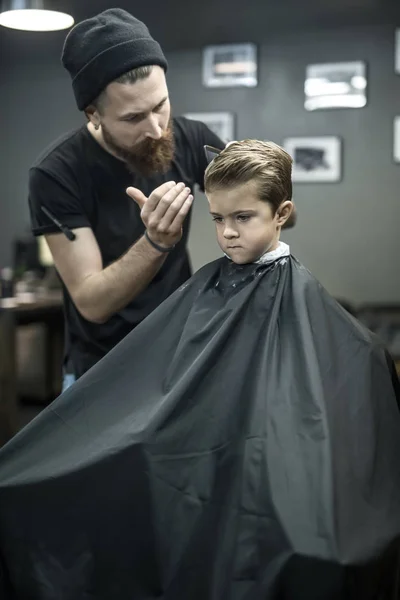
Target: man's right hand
[(164, 211)]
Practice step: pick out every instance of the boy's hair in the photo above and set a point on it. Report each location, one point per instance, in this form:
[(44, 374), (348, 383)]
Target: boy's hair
[(264, 163)]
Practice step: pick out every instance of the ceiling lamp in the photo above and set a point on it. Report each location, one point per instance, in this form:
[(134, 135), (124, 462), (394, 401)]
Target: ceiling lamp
[(32, 15)]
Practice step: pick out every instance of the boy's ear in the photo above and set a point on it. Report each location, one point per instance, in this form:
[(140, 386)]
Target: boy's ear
[(284, 213), (292, 220)]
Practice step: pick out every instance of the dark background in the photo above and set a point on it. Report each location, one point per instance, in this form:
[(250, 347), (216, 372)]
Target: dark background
[(347, 232)]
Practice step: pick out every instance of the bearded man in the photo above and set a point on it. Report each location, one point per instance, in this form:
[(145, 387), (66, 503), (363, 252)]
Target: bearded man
[(113, 199)]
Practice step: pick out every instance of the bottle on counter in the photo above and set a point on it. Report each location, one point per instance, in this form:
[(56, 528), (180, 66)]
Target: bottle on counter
[(7, 282)]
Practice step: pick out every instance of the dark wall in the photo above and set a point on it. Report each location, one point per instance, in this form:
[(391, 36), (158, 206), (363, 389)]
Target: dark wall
[(347, 233)]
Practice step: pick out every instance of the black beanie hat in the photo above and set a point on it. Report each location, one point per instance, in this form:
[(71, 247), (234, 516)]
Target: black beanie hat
[(101, 49)]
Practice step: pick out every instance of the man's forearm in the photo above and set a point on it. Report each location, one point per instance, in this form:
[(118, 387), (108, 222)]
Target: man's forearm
[(102, 294)]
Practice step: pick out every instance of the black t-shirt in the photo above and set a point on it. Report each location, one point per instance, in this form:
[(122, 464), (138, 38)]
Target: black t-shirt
[(82, 185)]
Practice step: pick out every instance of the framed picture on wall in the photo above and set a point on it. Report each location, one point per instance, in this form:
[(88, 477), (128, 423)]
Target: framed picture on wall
[(230, 65), (315, 159), (397, 51), (336, 85), (396, 140), (220, 123)]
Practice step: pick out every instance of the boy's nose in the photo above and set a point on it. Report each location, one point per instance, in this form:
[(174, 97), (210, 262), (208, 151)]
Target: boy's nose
[(230, 233)]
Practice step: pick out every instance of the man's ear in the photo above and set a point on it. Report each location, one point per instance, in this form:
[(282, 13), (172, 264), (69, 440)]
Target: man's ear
[(92, 115), (283, 213)]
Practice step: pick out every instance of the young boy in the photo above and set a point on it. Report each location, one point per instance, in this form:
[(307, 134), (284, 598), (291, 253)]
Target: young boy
[(249, 189), (241, 444)]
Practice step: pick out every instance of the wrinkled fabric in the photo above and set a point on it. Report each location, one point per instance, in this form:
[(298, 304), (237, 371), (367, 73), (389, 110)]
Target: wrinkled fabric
[(242, 443)]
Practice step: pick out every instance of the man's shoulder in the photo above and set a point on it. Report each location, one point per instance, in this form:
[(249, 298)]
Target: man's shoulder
[(194, 135), (65, 149), (188, 130)]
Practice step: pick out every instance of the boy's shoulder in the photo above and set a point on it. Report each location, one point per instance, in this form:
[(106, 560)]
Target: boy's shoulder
[(322, 308)]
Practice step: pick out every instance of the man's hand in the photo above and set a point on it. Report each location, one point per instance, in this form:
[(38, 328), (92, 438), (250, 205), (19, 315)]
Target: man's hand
[(164, 211)]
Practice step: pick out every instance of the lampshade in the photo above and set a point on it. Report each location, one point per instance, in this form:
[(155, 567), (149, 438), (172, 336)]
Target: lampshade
[(33, 15)]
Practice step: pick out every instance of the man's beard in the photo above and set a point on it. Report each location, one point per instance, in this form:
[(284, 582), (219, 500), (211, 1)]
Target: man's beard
[(148, 157)]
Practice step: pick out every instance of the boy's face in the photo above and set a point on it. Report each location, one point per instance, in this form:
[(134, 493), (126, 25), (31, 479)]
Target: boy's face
[(246, 227)]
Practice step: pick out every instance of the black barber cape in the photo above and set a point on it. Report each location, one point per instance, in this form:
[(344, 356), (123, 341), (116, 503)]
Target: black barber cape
[(242, 443)]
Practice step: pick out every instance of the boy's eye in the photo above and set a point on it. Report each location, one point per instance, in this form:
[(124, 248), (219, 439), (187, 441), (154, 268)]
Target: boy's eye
[(217, 219), (243, 218)]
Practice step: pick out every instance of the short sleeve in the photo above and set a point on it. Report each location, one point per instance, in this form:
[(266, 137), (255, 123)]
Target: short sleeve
[(200, 136), (61, 200)]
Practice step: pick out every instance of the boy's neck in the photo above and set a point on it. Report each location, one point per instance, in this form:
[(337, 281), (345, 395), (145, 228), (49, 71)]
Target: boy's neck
[(280, 251)]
